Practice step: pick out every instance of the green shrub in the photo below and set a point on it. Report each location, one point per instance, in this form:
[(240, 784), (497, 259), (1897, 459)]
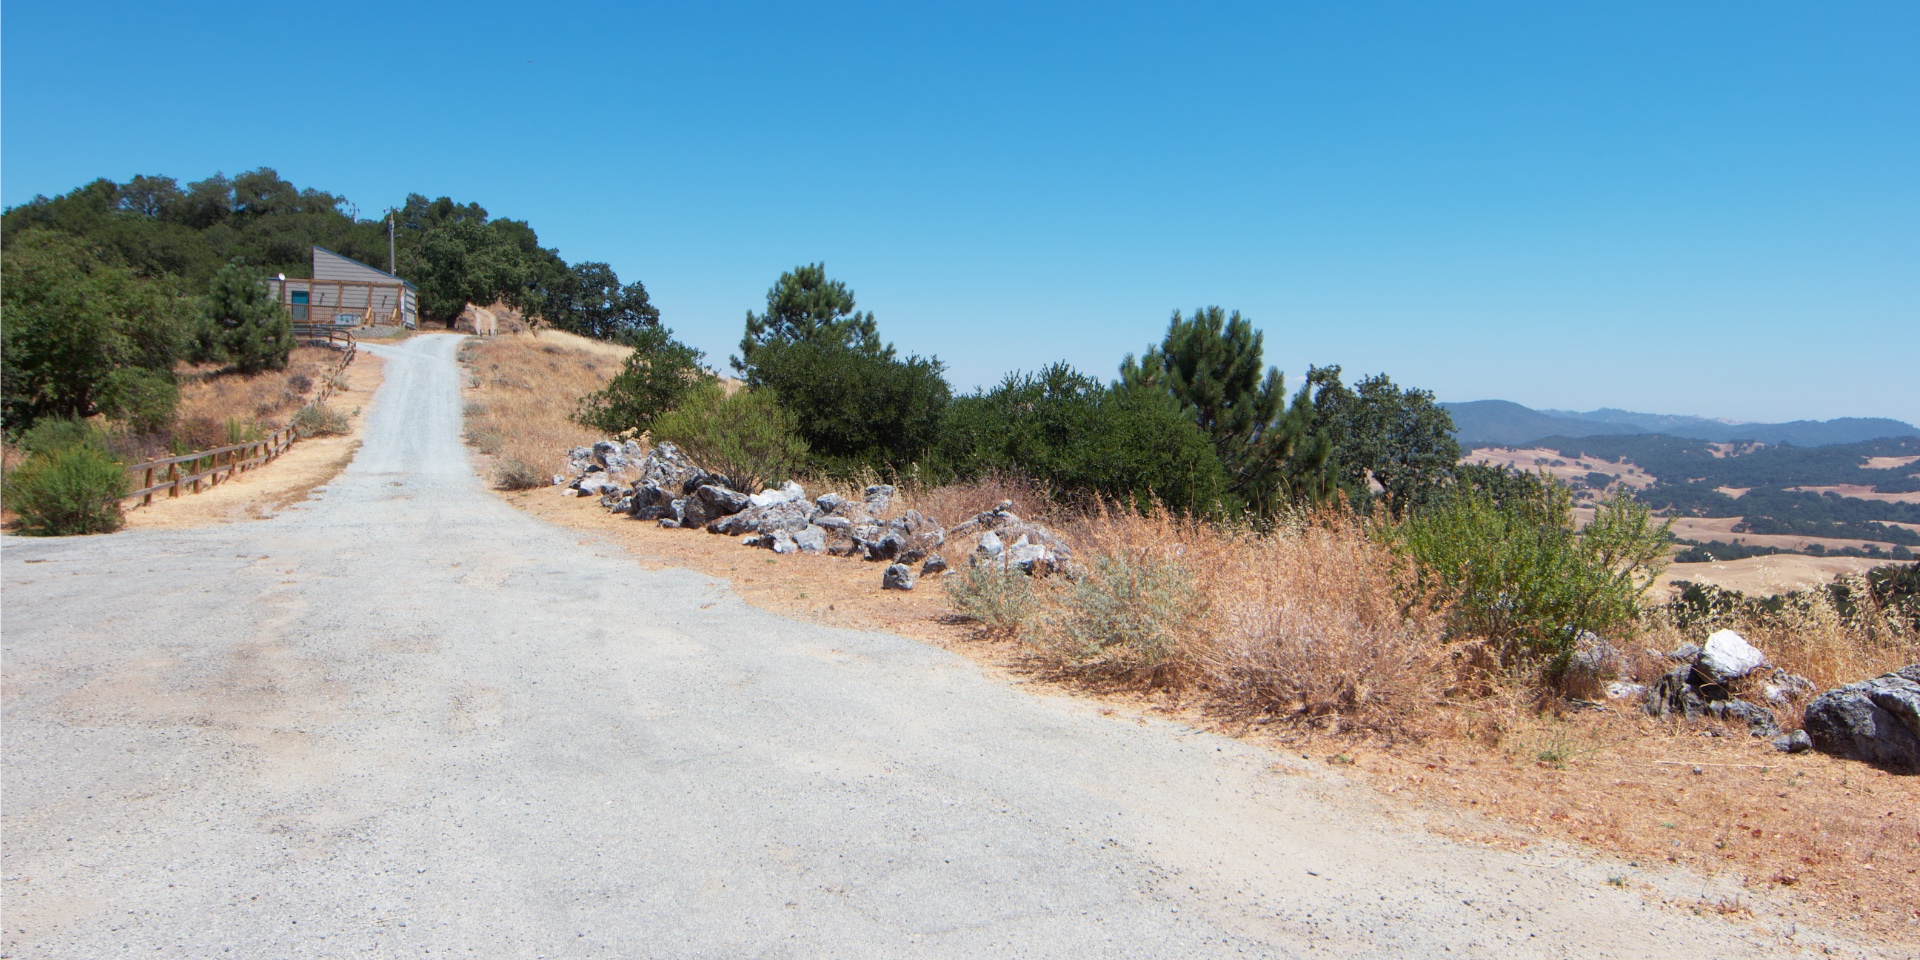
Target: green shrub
[(69, 490), (996, 598), (1513, 569), (318, 420), (857, 409), (1127, 616), (660, 373), (53, 434), (747, 436), (1086, 440), (511, 474)]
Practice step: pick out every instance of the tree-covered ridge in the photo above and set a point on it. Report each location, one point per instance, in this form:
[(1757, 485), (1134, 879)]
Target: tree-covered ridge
[(1693, 477), (1677, 460), (454, 253)]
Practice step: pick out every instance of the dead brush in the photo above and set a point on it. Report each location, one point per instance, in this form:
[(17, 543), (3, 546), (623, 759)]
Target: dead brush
[(1314, 626), (1136, 607)]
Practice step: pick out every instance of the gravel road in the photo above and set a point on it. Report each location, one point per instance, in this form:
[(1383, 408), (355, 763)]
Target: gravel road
[(403, 719)]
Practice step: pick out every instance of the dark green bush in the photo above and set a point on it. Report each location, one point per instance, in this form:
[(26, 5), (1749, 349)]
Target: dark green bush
[(255, 332), (748, 436), (1086, 440), (1513, 570), (659, 373), (67, 490), (856, 408)]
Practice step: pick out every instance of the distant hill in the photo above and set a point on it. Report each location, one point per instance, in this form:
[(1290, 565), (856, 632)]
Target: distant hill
[(1503, 423)]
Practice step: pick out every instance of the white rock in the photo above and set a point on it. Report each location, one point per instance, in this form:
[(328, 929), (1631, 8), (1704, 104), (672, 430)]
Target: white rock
[(1728, 656), (788, 493)]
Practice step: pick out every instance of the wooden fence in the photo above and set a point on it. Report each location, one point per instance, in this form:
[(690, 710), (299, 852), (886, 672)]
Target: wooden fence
[(206, 468)]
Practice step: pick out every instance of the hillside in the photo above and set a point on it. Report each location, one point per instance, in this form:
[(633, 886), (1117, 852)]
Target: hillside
[(1732, 502), (1504, 423)]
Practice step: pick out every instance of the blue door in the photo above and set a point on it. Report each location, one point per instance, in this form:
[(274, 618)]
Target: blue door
[(299, 306)]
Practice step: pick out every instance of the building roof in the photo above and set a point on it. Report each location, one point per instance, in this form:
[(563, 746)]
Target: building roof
[(357, 263)]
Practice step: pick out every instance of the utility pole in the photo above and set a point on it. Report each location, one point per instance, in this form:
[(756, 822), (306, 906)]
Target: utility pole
[(390, 266)]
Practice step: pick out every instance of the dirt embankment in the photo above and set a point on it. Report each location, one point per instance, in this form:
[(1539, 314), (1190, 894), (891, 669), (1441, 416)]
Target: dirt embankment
[(266, 490)]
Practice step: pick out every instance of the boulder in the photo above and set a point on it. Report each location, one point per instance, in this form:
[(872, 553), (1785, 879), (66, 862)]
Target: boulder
[(811, 540), (1727, 657), (721, 501), (648, 502), (1784, 688), (669, 469), (1876, 721), (889, 546), (990, 549), (791, 515), (877, 499), (1795, 742), (788, 492), (831, 502), (1674, 693), (598, 485), (899, 576), (832, 522), (781, 541), (1759, 720), (695, 513), (616, 457), (1030, 557), (935, 564)]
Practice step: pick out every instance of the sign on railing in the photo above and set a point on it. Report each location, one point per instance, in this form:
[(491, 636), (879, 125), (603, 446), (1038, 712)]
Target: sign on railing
[(209, 467)]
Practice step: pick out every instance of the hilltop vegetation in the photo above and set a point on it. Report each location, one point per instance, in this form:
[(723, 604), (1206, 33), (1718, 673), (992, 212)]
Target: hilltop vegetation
[(455, 253)]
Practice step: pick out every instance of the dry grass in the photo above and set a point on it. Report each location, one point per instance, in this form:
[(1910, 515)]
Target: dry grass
[(521, 389), (267, 399), (1309, 625), (1811, 636), (1314, 626)]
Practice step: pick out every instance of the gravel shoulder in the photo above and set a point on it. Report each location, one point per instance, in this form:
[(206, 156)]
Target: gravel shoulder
[(403, 718)]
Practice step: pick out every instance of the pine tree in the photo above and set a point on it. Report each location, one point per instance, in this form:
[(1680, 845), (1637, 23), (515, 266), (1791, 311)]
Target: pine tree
[(804, 306), (254, 331), (1212, 363)]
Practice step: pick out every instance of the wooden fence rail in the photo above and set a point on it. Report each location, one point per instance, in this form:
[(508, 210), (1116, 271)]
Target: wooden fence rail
[(206, 468)]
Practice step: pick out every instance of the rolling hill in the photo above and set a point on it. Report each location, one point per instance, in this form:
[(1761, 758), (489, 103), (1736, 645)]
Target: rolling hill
[(1503, 422)]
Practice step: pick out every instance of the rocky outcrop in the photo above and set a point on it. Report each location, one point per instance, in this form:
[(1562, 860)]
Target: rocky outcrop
[(1698, 684), (1876, 721)]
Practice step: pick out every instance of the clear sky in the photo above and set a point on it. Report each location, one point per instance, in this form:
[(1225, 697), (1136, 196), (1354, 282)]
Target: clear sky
[(1704, 208)]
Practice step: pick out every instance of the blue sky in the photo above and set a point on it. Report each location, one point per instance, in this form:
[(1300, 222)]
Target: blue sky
[(1705, 208)]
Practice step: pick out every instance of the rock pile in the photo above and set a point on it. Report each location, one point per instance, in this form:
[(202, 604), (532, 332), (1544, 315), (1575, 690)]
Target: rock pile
[(1699, 685), (666, 486)]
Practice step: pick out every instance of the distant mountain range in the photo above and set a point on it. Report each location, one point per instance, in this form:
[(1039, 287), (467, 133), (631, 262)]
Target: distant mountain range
[(1504, 423)]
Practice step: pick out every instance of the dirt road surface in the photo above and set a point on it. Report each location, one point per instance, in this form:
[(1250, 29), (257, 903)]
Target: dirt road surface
[(404, 720)]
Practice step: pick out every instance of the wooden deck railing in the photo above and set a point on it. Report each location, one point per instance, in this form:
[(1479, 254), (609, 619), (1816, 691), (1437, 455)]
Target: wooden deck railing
[(207, 468)]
